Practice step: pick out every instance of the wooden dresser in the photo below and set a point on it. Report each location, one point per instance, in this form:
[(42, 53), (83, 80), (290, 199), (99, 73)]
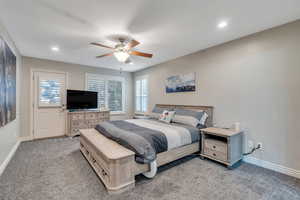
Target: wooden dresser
[(84, 119)]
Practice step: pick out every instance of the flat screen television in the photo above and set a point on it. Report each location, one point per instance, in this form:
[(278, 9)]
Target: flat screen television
[(77, 99)]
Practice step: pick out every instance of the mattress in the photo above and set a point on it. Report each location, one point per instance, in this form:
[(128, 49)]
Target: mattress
[(148, 137)]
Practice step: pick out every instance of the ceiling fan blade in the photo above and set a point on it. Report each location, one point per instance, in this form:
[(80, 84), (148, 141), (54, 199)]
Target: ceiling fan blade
[(108, 54), (101, 45), (132, 44), (137, 53)]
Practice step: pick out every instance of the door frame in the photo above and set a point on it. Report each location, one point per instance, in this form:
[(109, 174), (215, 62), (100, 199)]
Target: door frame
[(32, 96)]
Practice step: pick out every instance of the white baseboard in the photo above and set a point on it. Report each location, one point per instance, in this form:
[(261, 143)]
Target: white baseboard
[(273, 166), (9, 157), (24, 139)]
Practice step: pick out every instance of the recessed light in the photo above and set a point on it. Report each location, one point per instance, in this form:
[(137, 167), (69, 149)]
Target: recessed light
[(55, 48), (222, 24)]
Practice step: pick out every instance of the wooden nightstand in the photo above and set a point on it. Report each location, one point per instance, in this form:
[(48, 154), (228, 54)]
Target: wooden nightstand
[(222, 145)]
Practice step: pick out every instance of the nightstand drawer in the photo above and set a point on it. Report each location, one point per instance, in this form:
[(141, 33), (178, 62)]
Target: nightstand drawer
[(216, 154), (215, 145)]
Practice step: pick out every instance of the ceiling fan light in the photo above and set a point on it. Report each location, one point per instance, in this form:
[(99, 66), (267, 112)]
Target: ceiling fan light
[(121, 56), (129, 61)]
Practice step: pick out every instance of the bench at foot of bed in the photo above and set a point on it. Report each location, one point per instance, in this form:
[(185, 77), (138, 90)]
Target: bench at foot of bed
[(113, 163)]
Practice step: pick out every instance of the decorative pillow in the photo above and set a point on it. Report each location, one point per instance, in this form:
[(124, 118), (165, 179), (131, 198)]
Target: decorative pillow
[(167, 116), (203, 119), (156, 112), (190, 117)]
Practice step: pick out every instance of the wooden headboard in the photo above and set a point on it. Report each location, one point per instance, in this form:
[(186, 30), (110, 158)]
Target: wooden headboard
[(207, 109)]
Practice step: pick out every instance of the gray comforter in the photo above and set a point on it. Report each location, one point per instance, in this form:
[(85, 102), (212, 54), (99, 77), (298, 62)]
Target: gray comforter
[(148, 137)]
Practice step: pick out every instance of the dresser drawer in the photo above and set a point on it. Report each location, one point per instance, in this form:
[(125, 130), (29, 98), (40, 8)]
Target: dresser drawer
[(78, 124), (84, 120), (92, 123), (216, 154), (103, 115), (216, 145), (91, 116), (103, 120), (79, 116), (75, 131)]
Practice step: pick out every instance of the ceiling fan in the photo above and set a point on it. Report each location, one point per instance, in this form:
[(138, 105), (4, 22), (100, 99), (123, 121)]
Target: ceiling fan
[(122, 50)]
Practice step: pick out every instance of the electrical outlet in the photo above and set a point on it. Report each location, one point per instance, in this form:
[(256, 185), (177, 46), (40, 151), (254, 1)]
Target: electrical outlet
[(250, 144), (260, 145)]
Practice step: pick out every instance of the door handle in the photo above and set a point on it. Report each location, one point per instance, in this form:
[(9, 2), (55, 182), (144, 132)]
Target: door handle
[(63, 106)]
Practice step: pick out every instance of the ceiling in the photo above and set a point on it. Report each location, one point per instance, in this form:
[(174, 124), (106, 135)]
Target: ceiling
[(166, 28)]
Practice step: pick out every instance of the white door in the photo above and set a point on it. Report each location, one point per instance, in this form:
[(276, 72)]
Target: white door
[(49, 116)]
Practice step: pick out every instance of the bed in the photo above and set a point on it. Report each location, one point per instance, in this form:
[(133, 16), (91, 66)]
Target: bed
[(117, 165)]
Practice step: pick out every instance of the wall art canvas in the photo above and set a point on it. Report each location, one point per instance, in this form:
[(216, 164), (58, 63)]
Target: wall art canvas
[(7, 84), (181, 83)]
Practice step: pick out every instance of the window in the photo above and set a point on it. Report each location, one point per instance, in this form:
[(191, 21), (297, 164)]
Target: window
[(110, 91), (141, 94), (49, 93)]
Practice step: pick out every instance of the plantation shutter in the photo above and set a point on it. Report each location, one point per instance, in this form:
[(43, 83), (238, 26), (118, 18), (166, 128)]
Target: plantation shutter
[(110, 91), (97, 85), (114, 95), (138, 95), (144, 95), (141, 95)]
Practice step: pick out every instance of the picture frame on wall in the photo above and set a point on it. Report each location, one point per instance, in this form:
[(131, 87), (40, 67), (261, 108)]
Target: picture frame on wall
[(181, 83), (8, 62)]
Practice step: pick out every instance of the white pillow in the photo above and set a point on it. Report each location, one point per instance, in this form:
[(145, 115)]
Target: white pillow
[(167, 116)]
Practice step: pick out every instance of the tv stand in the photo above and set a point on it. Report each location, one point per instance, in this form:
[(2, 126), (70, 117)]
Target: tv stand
[(84, 110), (84, 119)]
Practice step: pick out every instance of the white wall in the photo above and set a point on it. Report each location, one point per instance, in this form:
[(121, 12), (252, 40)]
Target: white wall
[(10, 132), (254, 80), (76, 81)]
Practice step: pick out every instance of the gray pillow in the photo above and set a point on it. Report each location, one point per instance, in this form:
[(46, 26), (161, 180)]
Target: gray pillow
[(190, 117), (193, 113), (158, 110)]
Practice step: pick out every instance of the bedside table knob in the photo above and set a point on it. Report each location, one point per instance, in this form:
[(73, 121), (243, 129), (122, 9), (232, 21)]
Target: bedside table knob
[(214, 147), (214, 154)]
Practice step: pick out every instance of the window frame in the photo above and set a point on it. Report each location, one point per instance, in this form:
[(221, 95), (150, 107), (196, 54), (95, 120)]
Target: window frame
[(138, 78), (107, 78)]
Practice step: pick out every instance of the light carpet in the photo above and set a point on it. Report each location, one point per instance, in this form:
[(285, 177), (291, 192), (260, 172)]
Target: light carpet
[(55, 169)]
